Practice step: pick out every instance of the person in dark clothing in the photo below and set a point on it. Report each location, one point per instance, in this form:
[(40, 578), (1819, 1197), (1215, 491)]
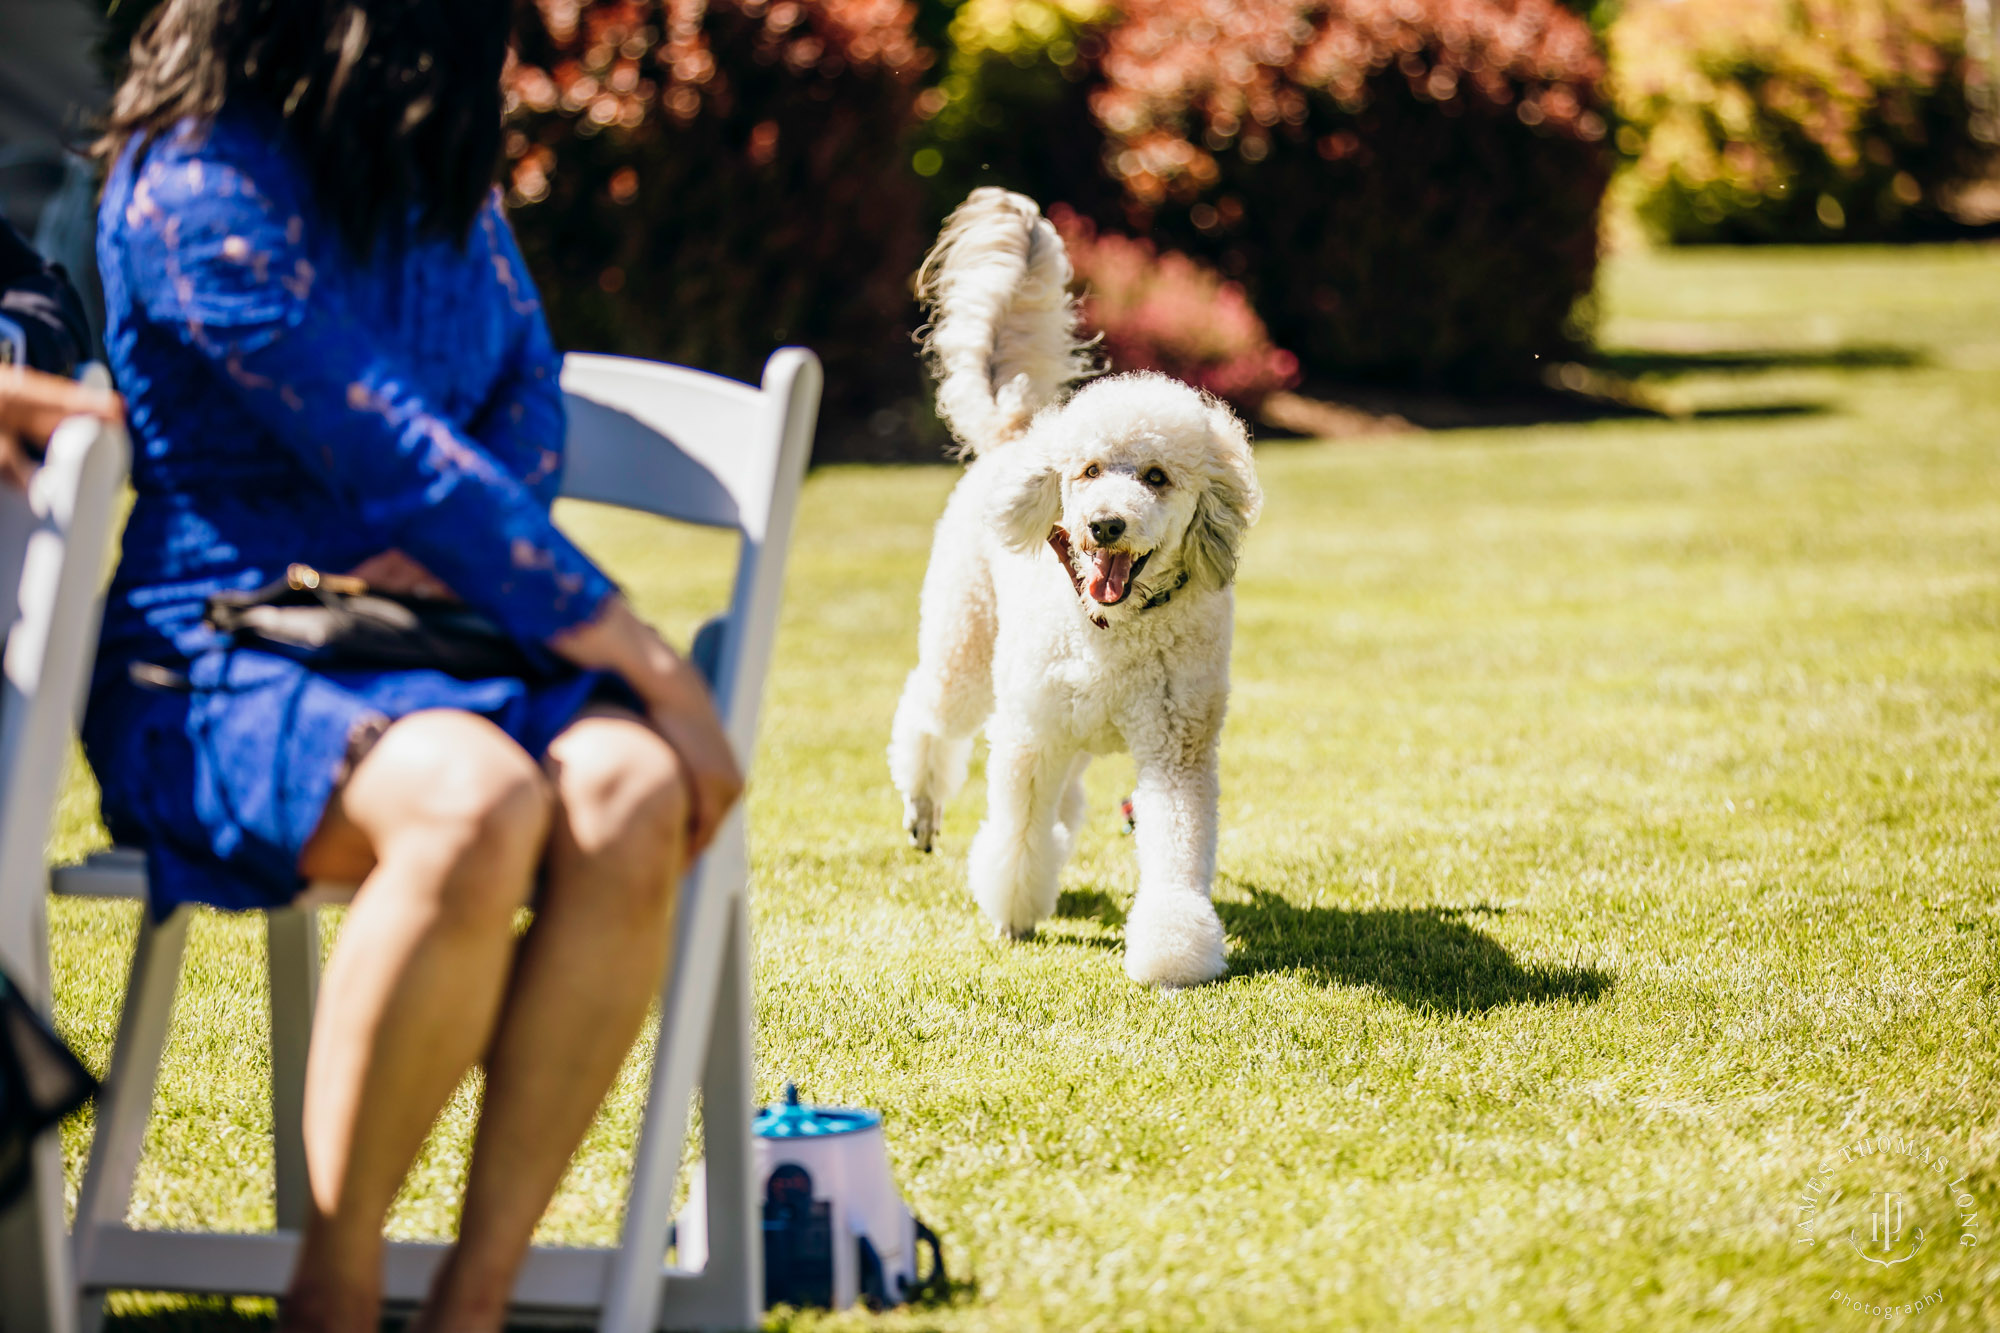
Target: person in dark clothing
[(40, 1079), (41, 309), (36, 299)]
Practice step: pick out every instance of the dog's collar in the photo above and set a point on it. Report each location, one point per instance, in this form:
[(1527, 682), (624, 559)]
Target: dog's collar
[(1059, 543)]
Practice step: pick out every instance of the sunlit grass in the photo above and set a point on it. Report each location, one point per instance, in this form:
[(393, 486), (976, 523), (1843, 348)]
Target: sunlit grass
[(1608, 838)]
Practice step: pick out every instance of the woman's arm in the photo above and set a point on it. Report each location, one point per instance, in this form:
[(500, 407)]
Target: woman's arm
[(523, 421), (32, 405), (523, 425), (677, 703)]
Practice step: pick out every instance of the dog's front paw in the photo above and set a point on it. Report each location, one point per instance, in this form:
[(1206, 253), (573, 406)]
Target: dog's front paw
[(920, 821), (1173, 938)]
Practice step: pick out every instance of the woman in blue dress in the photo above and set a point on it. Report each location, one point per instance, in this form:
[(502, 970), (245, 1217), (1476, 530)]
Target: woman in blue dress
[(333, 355)]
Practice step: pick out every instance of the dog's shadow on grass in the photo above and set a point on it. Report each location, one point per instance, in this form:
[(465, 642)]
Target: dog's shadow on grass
[(1428, 958)]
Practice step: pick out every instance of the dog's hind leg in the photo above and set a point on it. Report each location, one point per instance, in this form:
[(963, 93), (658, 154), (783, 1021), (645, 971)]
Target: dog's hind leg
[(950, 693), (1072, 811), (1018, 854)]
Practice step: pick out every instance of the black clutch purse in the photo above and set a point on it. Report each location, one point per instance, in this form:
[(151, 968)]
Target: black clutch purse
[(338, 623)]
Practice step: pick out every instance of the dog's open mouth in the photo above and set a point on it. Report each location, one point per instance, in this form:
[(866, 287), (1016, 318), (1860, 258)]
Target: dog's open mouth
[(1104, 576), (1108, 575)]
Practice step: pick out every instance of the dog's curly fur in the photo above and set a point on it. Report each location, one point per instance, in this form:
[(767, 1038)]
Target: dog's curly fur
[(1113, 635)]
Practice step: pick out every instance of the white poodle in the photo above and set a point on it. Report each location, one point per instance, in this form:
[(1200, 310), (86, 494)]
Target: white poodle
[(1078, 599)]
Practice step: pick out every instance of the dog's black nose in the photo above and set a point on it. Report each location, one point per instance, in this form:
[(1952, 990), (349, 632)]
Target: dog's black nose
[(1104, 531)]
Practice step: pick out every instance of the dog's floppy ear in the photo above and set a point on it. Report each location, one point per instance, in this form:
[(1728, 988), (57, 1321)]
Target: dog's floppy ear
[(1026, 498), (1228, 504)]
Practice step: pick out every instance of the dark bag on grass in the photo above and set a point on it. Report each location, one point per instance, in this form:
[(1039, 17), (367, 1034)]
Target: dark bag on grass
[(40, 1083), (337, 623)]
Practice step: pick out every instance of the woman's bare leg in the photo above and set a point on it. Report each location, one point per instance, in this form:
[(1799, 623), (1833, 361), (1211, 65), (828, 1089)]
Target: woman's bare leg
[(588, 966), (443, 824)]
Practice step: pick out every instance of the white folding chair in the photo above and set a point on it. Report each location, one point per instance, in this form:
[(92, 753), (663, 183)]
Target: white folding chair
[(668, 441), (53, 544)]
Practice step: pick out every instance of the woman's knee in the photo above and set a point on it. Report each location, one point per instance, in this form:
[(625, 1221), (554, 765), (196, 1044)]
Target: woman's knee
[(623, 796), (454, 787)]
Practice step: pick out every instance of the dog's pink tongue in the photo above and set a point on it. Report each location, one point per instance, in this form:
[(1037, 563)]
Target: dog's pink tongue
[(1110, 571)]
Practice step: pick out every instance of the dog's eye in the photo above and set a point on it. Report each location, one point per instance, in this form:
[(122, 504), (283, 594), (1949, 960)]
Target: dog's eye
[(1155, 478), (1091, 471)]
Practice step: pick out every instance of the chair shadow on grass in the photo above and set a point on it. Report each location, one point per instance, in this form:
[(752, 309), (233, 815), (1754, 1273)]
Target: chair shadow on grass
[(196, 1314), (220, 1314), (1426, 958)]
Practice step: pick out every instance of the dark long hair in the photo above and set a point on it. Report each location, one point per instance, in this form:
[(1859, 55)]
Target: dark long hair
[(391, 103)]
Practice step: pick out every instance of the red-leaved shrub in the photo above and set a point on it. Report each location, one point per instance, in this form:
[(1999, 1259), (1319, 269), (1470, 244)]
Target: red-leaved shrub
[(1170, 313), (704, 182), (1408, 188)]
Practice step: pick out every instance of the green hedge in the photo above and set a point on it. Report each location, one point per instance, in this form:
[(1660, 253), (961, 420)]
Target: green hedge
[(1791, 120), (1011, 103)]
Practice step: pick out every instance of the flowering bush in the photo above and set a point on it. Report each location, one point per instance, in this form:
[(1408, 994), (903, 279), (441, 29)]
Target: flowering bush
[(1408, 188), (703, 182), (1791, 119), (1167, 312)]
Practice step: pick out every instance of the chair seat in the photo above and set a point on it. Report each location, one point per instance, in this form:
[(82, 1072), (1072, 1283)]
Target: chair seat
[(119, 872)]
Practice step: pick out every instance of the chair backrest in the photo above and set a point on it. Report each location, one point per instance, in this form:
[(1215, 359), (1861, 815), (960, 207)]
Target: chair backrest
[(53, 544), (703, 449)]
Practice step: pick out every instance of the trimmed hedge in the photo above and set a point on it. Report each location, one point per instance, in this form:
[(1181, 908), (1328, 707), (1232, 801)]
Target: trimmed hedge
[(1792, 120), (1408, 188), (703, 183)]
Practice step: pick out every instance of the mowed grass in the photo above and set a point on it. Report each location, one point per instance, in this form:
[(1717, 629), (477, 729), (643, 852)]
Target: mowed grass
[(1608, 838)]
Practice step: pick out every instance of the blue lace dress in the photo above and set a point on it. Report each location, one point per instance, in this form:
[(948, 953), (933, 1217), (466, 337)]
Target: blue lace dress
[(290, 404)]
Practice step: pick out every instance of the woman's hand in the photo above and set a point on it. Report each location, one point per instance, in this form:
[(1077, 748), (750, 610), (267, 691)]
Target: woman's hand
[(714, 781), (397, 574), (32, 405), (677, 703)]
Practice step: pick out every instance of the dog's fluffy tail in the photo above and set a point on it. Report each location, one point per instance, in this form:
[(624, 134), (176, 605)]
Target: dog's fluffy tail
[(1002, 340)]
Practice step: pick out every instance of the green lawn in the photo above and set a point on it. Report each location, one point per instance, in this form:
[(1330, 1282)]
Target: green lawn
[(1607, 840)]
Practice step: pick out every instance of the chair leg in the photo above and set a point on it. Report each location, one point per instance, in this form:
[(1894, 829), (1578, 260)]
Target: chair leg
[(687, 1014), (125, 1102), (728, 1094), (36, 1288), (292, 944)]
